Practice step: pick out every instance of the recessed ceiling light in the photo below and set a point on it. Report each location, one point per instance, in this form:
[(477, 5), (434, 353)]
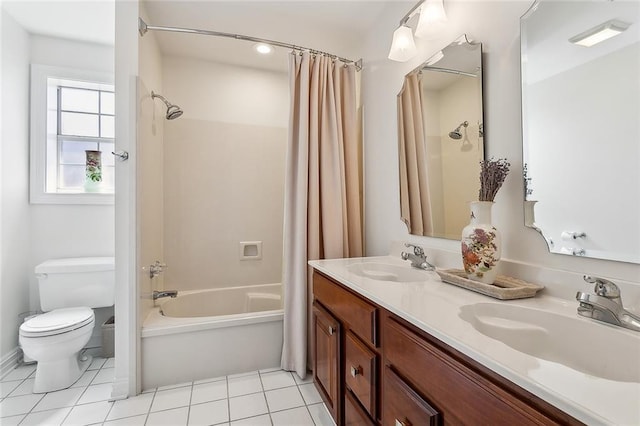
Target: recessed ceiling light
[(263, 48), (600, 33)]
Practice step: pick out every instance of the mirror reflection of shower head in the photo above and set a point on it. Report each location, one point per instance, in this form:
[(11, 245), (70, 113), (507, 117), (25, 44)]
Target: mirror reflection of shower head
[(173, 111), (456, 134)]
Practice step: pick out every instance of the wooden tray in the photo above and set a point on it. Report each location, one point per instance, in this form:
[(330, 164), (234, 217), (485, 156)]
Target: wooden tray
[(504, 288)]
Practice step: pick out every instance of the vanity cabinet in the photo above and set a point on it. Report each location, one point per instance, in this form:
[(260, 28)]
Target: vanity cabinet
[(389, 372)]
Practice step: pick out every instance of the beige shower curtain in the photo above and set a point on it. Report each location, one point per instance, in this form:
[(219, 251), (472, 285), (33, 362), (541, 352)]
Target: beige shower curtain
[(415, 200), (323, 203)]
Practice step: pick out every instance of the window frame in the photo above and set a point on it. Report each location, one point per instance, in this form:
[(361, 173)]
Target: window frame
[(39, 137)]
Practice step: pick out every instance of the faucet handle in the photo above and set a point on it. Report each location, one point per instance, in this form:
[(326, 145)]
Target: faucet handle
[(417, 250), (603, 287)]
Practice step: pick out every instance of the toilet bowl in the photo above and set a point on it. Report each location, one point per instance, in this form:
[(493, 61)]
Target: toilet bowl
[(54, 340)]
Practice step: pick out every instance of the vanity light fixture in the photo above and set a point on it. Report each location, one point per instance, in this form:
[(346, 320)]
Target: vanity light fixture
[(403, 47), (600, 33), (432, 17), (262, 48)]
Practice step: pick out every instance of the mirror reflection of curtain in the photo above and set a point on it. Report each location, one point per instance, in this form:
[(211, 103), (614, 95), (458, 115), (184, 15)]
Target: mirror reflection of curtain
[(323, 203), (415, 201)]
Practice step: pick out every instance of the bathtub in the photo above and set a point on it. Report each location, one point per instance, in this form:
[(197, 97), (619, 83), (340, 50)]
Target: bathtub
[(210, 333)]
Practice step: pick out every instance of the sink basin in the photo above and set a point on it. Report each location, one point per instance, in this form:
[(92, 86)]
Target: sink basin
[(595, 349), (387, 272)]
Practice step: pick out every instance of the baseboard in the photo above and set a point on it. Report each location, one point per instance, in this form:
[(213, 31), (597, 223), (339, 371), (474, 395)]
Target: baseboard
[(10, 361), (120, 390)]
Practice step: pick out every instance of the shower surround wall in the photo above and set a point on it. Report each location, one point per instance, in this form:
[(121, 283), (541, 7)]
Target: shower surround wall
[(150, 194), (224, 165)]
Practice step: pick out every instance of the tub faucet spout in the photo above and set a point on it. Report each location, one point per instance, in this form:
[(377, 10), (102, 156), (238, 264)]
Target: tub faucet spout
[(167, 293)]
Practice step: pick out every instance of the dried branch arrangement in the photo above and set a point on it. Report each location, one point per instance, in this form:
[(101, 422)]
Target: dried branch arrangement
[(492, 175)]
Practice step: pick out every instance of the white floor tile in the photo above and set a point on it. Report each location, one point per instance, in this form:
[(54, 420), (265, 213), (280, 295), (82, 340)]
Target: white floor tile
[(129, 407), (295, 417), (109, 363), (7, 387), (277, 379), (284, 399), (86, 379), (310, 394), (13, 406), (59, 399), (11, 421), (209, 413), (97, 363), (212, 379), (87, 414), (178, 385), (308, 378), (105, 375), (253, 421), (321, 415), (175, 417), (19, 373), (47, 418), (270, 370), (172, 398), (95, 393), (128, 421), (243, 385), (209, 392), (247, 406), (25, 388)]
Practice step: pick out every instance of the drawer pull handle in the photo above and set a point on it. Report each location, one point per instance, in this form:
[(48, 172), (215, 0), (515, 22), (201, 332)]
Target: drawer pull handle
[(355, 371), (403, 423), (331, 330)]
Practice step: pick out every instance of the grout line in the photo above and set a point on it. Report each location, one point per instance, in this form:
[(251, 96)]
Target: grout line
[(226, 380), (189, 407), (153, 398)]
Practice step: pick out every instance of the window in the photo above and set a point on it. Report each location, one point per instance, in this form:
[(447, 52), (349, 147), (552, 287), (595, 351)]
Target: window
[(72, 117)]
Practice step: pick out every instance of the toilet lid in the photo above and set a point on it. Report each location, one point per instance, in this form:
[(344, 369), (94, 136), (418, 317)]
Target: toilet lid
[(57, 321)]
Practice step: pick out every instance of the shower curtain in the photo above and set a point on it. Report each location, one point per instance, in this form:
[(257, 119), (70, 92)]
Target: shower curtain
[(323, 187), (415, 200)]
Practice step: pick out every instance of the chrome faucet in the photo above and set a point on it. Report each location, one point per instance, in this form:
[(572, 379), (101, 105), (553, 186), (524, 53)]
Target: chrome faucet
[(418, 258), (167, 293), (606, 304)]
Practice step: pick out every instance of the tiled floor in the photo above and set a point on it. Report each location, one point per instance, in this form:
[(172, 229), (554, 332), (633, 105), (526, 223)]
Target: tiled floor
[(268, 397)]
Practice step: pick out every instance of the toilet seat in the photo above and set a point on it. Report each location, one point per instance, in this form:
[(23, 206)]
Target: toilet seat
[(58, 321)]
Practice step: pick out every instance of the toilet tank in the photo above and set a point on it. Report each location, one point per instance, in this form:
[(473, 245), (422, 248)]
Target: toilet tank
[(79, 281)]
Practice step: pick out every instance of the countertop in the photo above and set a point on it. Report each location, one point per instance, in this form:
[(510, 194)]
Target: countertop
[(434, 307)]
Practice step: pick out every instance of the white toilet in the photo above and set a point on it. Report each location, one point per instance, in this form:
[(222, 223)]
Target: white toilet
[(68, 289)]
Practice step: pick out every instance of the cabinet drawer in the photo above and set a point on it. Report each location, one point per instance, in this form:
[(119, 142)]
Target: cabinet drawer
[(360, 372), (459, 392), (354, 415), (360, 315), (402, 406)]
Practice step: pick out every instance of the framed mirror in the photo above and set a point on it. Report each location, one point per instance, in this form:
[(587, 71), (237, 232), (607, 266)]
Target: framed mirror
[(581, 132), (441, 140)]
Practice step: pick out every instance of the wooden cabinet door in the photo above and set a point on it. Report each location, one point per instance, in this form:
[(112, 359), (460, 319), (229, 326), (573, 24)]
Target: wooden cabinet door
[(326, 365)]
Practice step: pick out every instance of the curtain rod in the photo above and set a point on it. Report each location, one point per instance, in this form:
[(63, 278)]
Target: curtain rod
[(447, 70), (143, 28)]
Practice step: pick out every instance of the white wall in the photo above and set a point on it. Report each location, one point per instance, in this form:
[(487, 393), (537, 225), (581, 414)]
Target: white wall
[(496, 25), (14, 179), (224, 168), (70, 230)]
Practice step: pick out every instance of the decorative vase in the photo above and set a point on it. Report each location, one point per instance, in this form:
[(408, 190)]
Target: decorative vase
[(93, 171), (481, 244)]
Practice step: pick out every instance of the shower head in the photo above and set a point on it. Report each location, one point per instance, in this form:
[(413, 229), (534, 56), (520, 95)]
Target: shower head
[(173, 111), (456, 134)]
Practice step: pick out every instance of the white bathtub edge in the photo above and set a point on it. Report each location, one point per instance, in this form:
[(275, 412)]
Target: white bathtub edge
[(157, 324)]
